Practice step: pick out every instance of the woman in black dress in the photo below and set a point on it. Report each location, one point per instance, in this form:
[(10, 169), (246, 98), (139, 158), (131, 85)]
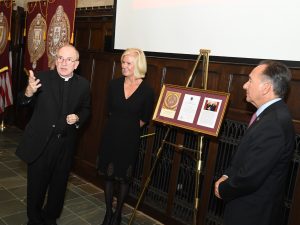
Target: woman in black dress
[(130, 105)]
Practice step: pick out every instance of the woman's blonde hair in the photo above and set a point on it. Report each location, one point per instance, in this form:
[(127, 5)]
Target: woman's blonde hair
[(140, 63)]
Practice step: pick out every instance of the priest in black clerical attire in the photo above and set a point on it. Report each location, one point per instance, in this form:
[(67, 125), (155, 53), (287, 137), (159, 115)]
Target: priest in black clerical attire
[(61, 101)]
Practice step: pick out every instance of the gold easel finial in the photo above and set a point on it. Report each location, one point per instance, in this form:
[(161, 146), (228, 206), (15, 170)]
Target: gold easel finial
[(205, 61)]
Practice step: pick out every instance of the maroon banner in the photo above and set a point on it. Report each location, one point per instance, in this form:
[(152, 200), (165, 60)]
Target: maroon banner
[(6, 98), (5, 21), (49, 25), (60, 20), (36, 28)]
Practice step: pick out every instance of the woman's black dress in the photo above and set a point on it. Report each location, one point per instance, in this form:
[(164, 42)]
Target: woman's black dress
[(121, 137)]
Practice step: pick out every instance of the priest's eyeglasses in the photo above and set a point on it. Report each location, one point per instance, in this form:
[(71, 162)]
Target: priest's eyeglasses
[(68, 60)]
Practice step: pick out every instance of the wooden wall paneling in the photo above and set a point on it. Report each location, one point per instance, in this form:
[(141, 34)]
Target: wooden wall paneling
[(197, 79), (208, 182), (91, 137), (198, 82), (16, 45), (84, 69), (91, 33), (219, 77), (213, 81), (225, 78), (17, 115), (108, 27), (153, 78), (107, 35), (238, 107), (86, 65), (175, 71), (82, 36), (97, 37), (148, 154), (237, 93), (117, 68), (214, 77), (294, 216), (293, 100), (174, 172), (175, 75), (103, 67)]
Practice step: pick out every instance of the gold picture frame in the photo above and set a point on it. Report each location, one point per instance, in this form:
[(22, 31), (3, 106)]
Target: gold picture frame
[(193, 109)]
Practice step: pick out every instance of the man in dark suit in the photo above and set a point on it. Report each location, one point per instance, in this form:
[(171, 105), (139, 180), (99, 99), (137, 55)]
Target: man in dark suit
[(253, 185), (61, 101)]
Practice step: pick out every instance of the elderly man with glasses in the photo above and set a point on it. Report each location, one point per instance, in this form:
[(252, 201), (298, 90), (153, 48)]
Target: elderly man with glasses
[(61, 101)]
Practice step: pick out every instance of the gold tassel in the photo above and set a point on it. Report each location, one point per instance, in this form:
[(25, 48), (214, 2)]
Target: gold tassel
[(9, 38), (72, 38), (3, 69), (27, 72), (44, 36), (24, 33)]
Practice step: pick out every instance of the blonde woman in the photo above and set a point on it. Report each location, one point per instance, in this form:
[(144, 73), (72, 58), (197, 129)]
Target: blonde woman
[(130, 106)]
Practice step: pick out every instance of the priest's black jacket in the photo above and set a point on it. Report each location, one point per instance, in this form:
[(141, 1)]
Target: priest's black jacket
[(44, 120)]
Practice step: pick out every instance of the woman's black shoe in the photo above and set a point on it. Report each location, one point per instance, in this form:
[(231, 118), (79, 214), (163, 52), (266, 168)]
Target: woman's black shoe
[(107, 219), (116, 219)]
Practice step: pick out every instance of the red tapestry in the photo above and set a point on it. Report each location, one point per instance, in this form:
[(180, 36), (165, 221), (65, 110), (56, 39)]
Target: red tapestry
[(49, 25), (36, 28), (6, 98), (5, 21)]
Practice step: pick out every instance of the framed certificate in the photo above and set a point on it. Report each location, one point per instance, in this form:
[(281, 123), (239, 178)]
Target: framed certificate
[(191, 108)]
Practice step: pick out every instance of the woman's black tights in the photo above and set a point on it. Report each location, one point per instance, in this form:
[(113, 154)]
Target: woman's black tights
[(108, 194), (123, 191), (114, 218)]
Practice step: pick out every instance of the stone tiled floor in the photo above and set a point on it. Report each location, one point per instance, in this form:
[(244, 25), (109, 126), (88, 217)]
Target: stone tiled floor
[(84, 203)]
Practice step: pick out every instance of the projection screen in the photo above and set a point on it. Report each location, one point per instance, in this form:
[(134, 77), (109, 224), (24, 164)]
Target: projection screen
[(231, 29)]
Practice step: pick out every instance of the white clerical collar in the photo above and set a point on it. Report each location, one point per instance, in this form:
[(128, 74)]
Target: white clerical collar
[(66, 78)]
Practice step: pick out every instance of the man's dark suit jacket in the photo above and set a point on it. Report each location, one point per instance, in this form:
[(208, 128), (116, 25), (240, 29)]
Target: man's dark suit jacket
[(257, 174), (45, 116)]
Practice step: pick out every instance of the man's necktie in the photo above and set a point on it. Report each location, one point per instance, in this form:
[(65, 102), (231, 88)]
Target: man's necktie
[(253, 118)]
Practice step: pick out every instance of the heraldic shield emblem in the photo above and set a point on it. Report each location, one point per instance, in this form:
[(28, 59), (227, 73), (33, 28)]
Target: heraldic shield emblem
[(3, 32), (36, 39), (58, 34)]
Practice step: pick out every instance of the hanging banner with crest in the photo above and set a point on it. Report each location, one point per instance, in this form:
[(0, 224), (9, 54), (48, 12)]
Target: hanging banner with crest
[(60, 20), (50, 25), (36, 28), (6, 98), (5, 21)]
